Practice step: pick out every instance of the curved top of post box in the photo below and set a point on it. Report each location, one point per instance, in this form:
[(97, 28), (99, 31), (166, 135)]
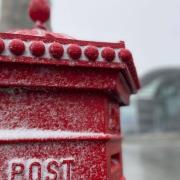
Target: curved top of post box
[(41, 46)]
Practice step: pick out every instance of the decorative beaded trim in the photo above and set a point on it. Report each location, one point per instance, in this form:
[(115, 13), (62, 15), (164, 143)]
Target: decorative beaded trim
[(57, 51)]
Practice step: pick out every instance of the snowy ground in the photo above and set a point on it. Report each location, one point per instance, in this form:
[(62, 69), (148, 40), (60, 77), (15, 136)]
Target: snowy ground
[(152, 157)]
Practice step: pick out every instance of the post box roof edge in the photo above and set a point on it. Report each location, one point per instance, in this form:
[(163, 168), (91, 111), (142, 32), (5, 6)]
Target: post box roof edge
[(41, 46)]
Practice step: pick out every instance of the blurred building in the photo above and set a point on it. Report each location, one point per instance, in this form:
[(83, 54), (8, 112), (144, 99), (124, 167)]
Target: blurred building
[(157, 105), (11, 15)]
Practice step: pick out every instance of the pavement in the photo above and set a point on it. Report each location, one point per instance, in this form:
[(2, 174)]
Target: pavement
[(152, 157)]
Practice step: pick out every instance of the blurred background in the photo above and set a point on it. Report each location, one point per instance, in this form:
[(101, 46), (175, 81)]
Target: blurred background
[(151, 29)]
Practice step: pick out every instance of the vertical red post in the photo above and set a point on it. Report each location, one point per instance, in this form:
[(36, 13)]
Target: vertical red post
[(59, 105)]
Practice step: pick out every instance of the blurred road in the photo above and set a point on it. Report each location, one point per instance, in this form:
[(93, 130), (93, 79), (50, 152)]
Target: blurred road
[(152, 158)]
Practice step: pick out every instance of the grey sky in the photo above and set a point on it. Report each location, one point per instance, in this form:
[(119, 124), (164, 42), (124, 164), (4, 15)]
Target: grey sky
[(150, 28)]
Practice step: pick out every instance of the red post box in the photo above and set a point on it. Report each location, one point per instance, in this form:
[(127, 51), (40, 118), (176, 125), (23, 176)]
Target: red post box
[(59, 104)]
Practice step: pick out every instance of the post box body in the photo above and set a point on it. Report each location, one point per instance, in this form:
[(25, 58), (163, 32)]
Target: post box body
[(58, 161), (59, 119)]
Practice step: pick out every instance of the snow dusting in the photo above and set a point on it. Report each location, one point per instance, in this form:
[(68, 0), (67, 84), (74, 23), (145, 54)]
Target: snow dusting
[(18, 134)]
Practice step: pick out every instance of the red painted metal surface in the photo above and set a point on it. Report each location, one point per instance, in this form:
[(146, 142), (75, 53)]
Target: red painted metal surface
[(59, 105)]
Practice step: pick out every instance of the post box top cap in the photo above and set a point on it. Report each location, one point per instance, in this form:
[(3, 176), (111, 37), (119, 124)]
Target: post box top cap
[(41, 46), (39, 12)]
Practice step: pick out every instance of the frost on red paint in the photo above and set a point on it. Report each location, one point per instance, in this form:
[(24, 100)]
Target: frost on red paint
[(37, 48), (17, 47), (92, 53), (108, 54), (59, 104)]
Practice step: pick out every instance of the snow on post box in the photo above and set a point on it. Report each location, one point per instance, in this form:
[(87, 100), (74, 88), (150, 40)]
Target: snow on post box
[(59, 104)]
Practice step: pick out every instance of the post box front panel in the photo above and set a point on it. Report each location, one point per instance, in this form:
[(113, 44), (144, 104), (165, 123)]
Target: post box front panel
[(53, 160), (60, 77), (52, 110)]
